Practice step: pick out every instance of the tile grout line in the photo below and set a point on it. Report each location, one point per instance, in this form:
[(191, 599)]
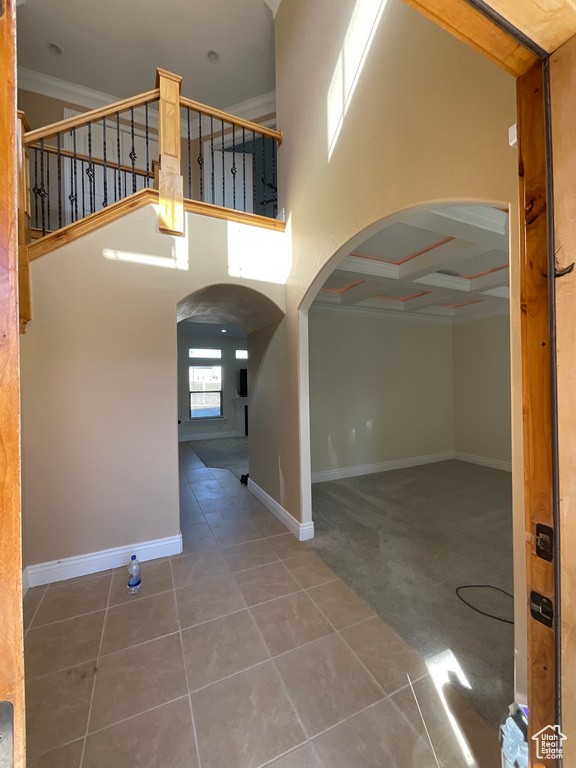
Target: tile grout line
[(195, 732), (35, 612), (95, 675)]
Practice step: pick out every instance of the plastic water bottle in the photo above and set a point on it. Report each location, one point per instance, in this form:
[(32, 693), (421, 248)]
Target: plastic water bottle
[(134, 580)]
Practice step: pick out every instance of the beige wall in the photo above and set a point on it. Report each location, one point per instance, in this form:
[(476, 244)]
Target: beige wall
[(380, 390), (230, 379), (99, 380), (481, 359)]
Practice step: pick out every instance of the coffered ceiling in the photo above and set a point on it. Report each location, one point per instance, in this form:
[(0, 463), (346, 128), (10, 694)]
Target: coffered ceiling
[(449, 264)]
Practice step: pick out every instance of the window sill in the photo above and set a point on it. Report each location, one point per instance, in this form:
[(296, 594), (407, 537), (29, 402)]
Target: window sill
[(207, 419)]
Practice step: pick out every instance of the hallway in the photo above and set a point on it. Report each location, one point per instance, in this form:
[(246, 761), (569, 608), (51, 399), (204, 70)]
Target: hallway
[(244, 651)]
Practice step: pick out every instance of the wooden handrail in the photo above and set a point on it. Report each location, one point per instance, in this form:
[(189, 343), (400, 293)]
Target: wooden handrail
[(228, 118), (93, 116), (94, 160)]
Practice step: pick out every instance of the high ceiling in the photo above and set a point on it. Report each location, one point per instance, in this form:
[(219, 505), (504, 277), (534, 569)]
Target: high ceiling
[(115, 47), (449, 264)]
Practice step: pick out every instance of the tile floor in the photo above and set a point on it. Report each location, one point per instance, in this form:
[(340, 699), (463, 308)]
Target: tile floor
[(244, 651)]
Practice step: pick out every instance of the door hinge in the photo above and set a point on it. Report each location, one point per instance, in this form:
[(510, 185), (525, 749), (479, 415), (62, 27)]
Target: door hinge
[(542, 609), (545, 542)]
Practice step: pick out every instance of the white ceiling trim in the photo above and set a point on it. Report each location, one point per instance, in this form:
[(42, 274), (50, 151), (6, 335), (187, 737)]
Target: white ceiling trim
[(444, 316), (273, 5), (379, 314), (53, 87)]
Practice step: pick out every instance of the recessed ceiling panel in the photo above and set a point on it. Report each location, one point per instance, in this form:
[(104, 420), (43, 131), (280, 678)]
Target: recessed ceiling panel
[(340, 282), (483, 264), (399, 243)]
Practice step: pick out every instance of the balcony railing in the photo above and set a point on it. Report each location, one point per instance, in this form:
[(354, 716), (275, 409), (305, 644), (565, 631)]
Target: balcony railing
[(195, 157)]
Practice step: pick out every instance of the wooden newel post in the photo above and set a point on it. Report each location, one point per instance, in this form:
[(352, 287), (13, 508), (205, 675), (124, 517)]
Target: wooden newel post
[(170, 182), (24, 213)]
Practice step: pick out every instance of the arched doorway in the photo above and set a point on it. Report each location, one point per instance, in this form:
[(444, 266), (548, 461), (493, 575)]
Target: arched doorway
[(410, 424)]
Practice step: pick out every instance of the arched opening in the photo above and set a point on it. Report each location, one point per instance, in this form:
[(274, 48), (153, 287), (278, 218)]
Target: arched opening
[(411, 450), (220, 332)]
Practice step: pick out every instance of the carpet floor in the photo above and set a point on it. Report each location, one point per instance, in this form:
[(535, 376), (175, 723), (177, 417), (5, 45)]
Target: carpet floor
[(405, 540), (224, 453)]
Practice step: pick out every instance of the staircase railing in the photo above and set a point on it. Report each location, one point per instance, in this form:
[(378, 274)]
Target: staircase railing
[(195, 157)]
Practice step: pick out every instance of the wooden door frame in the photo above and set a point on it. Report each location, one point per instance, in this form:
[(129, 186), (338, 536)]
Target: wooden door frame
[(11, 647), (478, 25)]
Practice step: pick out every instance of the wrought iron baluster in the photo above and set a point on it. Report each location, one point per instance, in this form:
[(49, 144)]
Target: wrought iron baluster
[(125, 183), (90, 171), (147, 149), (253, 171), (264, 179), (223, 168), (200, 156), (42, 191), (274, 181), (59, 162), (233, 170), (48, 190), (118, 155), (104, 142), (71, 195), (189, 158), (76, 179), (83, 191), (244, 169), (212, 153), (133, 150), (35, 188)]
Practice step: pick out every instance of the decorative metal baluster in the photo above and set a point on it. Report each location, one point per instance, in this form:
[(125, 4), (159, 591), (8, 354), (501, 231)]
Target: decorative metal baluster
[(212, 153), (253, 171), (243, 169), (71, 195), (189, 158), (42, 190), (133, 150), (125, 184), (48, 190), (76, 179), (223, 168), (233, 170), (90, 172), (105, 201), (59, 162), (83, 191), (147, 149), (274, 181), (264, 179), (35, 188), (118, 155), (200, 156)]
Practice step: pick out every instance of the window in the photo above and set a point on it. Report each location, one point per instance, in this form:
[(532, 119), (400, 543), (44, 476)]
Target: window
[(207, 354), (205, 391), (241, 354)]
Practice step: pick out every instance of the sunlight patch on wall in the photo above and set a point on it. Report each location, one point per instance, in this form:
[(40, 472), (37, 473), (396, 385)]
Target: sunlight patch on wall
[(255, 253), (359, 36), (178, 259)]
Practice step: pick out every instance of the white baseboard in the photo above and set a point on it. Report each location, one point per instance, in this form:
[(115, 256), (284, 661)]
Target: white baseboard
[(505, 466), (413, 461), (302, 531), (384, 466), (206, 436), (94, 562)]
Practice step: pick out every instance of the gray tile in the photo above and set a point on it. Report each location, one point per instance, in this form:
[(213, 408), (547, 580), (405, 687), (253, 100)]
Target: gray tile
[(63, 644)]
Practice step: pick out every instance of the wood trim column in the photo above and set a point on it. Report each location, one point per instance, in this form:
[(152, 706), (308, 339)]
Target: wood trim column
[(24, 212), (170, 182), (563, 119), (11, 651), (537, 395)]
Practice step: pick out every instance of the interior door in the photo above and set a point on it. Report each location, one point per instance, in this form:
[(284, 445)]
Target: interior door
[(11, 650)]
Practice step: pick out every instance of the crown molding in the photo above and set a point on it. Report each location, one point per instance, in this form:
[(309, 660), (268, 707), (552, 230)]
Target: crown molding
[(273, 5), (443, 315), (88, 98), (379, 314)]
